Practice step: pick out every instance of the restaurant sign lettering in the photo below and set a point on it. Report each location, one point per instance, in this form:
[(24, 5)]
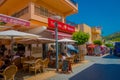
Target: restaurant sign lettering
[(61, 26), (13, 20)]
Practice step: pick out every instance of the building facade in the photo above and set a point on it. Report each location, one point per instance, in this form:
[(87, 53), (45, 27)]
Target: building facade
[(87, 29), (37, 12), (94, 32), (35, 16)]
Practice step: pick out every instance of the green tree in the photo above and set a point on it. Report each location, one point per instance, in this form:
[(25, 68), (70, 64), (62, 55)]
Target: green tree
[(116, 39), (98, 42), (110, 45), (81, 38)]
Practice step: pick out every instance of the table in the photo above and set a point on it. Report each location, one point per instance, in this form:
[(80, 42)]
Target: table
[(29, 62)]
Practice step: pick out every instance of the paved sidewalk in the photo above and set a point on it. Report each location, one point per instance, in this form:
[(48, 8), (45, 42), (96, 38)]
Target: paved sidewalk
[(94, 68), (51, 73), (42, 76), (98, 68), (76, 69)]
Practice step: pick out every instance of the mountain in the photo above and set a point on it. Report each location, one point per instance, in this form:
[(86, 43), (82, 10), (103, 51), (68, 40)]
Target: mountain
[(113, 37)]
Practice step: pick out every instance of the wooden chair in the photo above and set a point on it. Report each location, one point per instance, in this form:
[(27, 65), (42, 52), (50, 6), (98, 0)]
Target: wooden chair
[(41, 63), (45, 63), (36, 66), (9, 72), (24, 65)]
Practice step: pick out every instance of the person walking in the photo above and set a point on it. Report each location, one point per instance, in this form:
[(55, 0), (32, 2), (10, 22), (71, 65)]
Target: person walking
[(111, 51), (97, 50)]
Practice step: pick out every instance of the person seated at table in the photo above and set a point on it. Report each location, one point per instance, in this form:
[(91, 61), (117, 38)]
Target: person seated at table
[(51, 48), (7, 57), (63, 56), (6, 64), (49, 54), (16, 60), (1, 62), (15, 56)]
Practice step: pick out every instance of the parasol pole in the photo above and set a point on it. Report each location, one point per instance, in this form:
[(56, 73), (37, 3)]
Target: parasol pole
[(11, 47)]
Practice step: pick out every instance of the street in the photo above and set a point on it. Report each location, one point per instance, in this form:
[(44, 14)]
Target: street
[(98, 68)]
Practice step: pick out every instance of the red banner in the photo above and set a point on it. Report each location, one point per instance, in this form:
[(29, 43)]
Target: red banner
[(61, 26)]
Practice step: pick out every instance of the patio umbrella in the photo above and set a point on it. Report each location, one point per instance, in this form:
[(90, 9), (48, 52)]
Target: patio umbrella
[(36, 41), (14, 33), (66, 40), (11, 34), (72, 48)]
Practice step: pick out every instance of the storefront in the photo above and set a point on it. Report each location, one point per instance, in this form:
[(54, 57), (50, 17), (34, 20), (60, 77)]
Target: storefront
[(64, 30), (12, 21)]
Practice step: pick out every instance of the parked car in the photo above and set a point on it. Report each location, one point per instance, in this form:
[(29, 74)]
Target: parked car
[(117, 49)]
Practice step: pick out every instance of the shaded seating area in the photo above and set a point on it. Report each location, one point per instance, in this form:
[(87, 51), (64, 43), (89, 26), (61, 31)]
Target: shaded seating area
[(26, 63), (35, 65)]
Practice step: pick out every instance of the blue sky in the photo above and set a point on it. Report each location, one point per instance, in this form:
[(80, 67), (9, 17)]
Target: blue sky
[(104, 13)]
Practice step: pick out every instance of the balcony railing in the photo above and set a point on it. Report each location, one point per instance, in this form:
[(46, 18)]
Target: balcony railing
[(41, 11)]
